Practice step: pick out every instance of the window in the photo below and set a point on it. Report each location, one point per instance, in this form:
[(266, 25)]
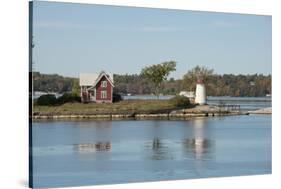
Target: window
[(103, 83), (103, 94)]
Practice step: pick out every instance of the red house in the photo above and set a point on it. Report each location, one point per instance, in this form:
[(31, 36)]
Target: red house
[(96, 87)]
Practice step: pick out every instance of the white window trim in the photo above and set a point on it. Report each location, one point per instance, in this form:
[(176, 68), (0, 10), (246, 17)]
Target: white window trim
[(104, 84), (103, 94)]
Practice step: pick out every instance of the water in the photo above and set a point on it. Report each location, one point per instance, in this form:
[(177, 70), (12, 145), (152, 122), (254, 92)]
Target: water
[(37, 94), (75, 153), (246, 103)]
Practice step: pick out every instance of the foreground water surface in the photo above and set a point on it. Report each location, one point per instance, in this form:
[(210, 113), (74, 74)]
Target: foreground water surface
[(74, 153)]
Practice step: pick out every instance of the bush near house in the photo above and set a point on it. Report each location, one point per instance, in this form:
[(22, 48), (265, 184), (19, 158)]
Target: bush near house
[(51, 100), (68, 97), (116, 97), (180, 101), (47, 100)]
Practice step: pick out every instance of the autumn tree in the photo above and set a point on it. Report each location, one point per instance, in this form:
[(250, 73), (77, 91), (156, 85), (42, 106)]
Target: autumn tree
[(158, 73), (198, 72)]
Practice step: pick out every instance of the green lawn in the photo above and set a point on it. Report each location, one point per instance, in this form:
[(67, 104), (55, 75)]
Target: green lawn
[(126, 106)]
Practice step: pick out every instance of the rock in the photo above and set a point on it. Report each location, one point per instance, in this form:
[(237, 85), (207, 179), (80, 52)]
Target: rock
[(262, 111)]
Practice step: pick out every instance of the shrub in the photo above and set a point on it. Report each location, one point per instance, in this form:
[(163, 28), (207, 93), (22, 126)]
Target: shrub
[(47, 100), (117, 97), (180, 101), (68, 97)]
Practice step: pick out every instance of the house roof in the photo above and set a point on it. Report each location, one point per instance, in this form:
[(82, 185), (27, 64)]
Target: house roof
[(91, 79), (108, 77)]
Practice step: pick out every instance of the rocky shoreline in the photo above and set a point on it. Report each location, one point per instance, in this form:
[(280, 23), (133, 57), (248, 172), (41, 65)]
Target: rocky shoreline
[(262, 111), (198, 111)]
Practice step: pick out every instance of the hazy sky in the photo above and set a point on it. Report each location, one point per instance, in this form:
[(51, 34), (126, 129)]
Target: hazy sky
[(77, 38)]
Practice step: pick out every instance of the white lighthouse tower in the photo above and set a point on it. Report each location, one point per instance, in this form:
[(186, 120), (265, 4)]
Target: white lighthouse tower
[(200, 94)]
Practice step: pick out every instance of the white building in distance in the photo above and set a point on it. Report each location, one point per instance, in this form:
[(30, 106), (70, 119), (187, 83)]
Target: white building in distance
[(200, 95)]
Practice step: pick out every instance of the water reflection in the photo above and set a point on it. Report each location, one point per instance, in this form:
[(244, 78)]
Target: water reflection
[(160, 150), (157, 148), (90, 148), (195, 141), (201, 146)]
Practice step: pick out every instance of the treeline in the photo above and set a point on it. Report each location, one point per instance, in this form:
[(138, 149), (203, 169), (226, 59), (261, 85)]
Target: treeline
[(138, 84), (217, 85), (52, 83), (239, 85)]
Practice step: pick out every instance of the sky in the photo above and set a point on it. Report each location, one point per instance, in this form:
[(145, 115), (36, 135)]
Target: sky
[(75, 38)]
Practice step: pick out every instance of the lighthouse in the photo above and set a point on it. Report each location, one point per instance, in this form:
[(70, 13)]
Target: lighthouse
[(200, 94)]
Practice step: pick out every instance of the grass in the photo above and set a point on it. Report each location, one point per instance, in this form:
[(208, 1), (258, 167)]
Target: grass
[(126, 106)]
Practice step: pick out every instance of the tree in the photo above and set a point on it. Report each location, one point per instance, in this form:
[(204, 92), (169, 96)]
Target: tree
[(191, 77), (75, 87), (158, 73)]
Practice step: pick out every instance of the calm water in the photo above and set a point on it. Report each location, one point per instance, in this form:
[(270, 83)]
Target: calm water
[(105, 152), (246, 103)]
